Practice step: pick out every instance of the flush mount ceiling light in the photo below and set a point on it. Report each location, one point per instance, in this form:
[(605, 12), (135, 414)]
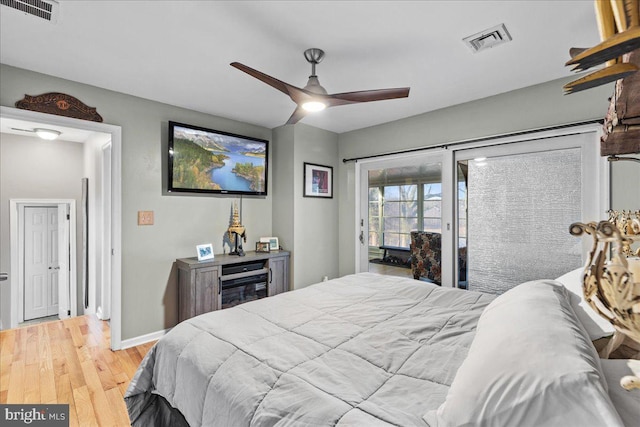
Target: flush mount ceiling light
[(48, 134)]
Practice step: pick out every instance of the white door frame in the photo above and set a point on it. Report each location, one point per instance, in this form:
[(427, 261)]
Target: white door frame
[(116, 207), (364, 166), (65, 266), (104, 309), (17, 226)]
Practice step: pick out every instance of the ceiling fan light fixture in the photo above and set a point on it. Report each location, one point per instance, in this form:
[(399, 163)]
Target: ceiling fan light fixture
[(48, 134), (313, 106), (313, 97)]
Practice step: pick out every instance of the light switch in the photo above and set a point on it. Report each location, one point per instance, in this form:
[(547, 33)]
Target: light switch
[(145, 217)]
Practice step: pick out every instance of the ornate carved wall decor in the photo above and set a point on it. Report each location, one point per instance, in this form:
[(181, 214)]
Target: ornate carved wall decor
[(619, 26), (622, 122), (59, 104)]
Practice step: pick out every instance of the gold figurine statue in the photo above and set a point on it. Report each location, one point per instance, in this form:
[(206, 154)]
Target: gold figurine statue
[(236, 230)]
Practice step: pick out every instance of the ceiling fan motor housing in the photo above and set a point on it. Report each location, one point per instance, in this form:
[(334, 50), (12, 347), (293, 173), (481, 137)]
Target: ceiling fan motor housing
[(313, 85)]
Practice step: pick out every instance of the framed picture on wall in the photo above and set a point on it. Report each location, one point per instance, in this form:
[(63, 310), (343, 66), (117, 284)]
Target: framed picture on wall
[(318, 181)]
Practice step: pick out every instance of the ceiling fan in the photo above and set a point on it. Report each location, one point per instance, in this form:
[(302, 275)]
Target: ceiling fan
[(313, 97)]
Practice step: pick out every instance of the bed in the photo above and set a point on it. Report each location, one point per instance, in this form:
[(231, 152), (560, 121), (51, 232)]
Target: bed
[(373, 350)]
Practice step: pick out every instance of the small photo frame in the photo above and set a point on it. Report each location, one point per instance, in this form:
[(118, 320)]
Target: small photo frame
[(205, 252), (262, 247), (318, 181), (273, 243)]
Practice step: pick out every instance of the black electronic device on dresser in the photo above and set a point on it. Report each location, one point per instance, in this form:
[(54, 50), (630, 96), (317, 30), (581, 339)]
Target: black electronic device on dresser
[(226, 281), (235, 288)]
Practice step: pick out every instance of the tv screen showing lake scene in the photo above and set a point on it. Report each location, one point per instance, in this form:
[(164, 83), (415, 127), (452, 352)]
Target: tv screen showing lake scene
[(208, 161)]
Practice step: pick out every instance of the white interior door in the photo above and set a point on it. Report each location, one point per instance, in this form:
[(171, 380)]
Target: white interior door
[(41, 262)]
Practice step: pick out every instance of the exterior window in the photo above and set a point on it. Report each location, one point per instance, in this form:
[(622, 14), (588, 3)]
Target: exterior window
[(431, 207), (397, 210), (400, 214), (375, 209)]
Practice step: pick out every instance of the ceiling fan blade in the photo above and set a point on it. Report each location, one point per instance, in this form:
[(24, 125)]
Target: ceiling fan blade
[(367, 96), (297, 115), (295, 93)]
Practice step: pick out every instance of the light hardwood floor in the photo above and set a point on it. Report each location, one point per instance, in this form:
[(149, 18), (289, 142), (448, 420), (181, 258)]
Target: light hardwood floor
[(69, 361), (390, 270)]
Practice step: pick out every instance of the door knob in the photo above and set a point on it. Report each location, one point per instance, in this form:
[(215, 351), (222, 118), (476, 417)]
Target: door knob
[(3, 277)]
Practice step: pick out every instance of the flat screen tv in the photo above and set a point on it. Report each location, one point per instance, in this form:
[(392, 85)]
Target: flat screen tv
[(204, 160)]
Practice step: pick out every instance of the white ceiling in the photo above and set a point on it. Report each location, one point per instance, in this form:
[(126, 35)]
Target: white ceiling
[(178, 52)]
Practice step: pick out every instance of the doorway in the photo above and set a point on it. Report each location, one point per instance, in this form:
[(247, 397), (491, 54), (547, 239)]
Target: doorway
[(398, 196), (46, 258), (10, 293)]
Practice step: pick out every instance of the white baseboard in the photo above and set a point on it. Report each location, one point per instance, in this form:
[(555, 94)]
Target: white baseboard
[(143, 339)]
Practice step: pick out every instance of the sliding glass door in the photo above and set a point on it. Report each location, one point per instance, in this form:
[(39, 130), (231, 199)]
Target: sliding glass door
[(503, 209), (519, 202), (402, 195)]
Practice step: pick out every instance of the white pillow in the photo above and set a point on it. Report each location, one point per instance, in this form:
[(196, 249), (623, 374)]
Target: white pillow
[(595, 325), (530, 364)]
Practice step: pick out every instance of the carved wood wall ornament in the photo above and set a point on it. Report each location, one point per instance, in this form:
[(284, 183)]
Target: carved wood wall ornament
[(622, 122), (619, 27), (59, 104)]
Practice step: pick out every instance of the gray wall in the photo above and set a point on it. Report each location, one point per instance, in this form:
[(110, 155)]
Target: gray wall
[(283, 192), (31, 168), (315, 221), (625, 188), (307, 226), (532, 107), (181, 222)]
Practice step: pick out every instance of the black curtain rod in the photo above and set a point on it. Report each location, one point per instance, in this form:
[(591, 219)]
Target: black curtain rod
[(481, 139)]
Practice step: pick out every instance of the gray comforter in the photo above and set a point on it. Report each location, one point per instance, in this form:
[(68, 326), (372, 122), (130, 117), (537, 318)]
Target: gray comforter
[(363, 350)]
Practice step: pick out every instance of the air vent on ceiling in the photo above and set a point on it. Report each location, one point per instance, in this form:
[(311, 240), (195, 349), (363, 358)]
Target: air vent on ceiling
[(44, 9), (488, 38)]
